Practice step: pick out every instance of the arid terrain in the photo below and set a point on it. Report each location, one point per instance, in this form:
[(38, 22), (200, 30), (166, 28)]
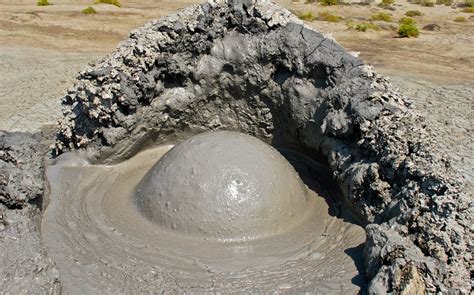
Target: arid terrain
[(42, 49)]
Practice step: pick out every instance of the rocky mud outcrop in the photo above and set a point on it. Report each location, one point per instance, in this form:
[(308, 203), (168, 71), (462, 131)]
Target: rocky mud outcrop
[(25, 267), (253, 67)]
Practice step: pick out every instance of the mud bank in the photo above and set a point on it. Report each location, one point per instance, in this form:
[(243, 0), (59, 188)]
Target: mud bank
[(24, 264), (252, 67)]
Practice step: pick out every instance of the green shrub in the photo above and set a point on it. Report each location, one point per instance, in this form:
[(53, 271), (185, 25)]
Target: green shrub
[(89, 10), (309, 16), (362, 27), (328, 17), (427, 3), (43, 3), (412, 13), (385, 6), (460, 19), (328, 2), (408, 31), (469, 3), (407, 21), (468, 10), (382, 16), (112, 2), (444, 2), (408, 28), (367, 26)]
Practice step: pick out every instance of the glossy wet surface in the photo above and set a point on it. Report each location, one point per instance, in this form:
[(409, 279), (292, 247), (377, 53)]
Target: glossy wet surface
[(225, 186), (101, 243)]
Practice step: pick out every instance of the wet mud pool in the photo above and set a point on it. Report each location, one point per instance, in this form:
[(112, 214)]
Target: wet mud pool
[(100, 241)]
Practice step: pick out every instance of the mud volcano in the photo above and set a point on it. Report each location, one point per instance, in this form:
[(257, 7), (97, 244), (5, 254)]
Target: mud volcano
[(223, 185), (220, 211), (362, 152)]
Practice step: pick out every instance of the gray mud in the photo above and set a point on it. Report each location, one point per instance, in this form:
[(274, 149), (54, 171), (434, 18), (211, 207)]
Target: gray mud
[(102, 243), (223, 185), (254, 68), (24, 264)]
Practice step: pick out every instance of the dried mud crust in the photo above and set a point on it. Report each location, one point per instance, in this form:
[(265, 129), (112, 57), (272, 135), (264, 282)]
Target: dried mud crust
[(24, 265), (254, 68), (444, 109)]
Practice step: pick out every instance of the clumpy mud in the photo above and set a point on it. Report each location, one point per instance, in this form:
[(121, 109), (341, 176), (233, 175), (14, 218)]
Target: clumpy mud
[(252, 67), (24, 264), (101, 242)]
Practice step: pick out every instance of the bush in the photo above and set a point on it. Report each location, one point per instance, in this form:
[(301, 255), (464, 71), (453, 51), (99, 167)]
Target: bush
[(427, 3), (382, 16), (408, 28), (469, 3), (468, 9), (362, 27), (385, 6), (444, 2), (89, 10), (408, 31), (460, 19), (328, 2), (43, 3), (407, 21), (412, 13), (328, 17), (308, 16), (112, 2)]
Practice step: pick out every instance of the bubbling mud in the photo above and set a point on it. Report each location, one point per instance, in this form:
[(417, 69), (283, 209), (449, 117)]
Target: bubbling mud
[(223, 185), (101, 240)]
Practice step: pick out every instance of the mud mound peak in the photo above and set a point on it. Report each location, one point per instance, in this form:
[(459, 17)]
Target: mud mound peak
[(223, 185)]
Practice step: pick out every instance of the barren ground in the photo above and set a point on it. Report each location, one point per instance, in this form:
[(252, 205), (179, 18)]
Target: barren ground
[(43, 48)]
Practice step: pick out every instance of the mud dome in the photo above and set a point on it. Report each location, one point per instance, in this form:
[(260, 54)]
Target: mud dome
[(92, 228), (223, 185), (253, 67)]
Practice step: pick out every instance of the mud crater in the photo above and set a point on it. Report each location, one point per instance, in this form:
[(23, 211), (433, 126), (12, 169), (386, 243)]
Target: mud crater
[(220, 211), (253, 67)]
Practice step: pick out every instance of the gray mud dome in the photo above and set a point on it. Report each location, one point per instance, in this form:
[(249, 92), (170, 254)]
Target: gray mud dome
[(223, 185), (102, 243)]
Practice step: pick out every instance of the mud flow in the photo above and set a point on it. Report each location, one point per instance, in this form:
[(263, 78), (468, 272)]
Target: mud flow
[(221, 211)]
